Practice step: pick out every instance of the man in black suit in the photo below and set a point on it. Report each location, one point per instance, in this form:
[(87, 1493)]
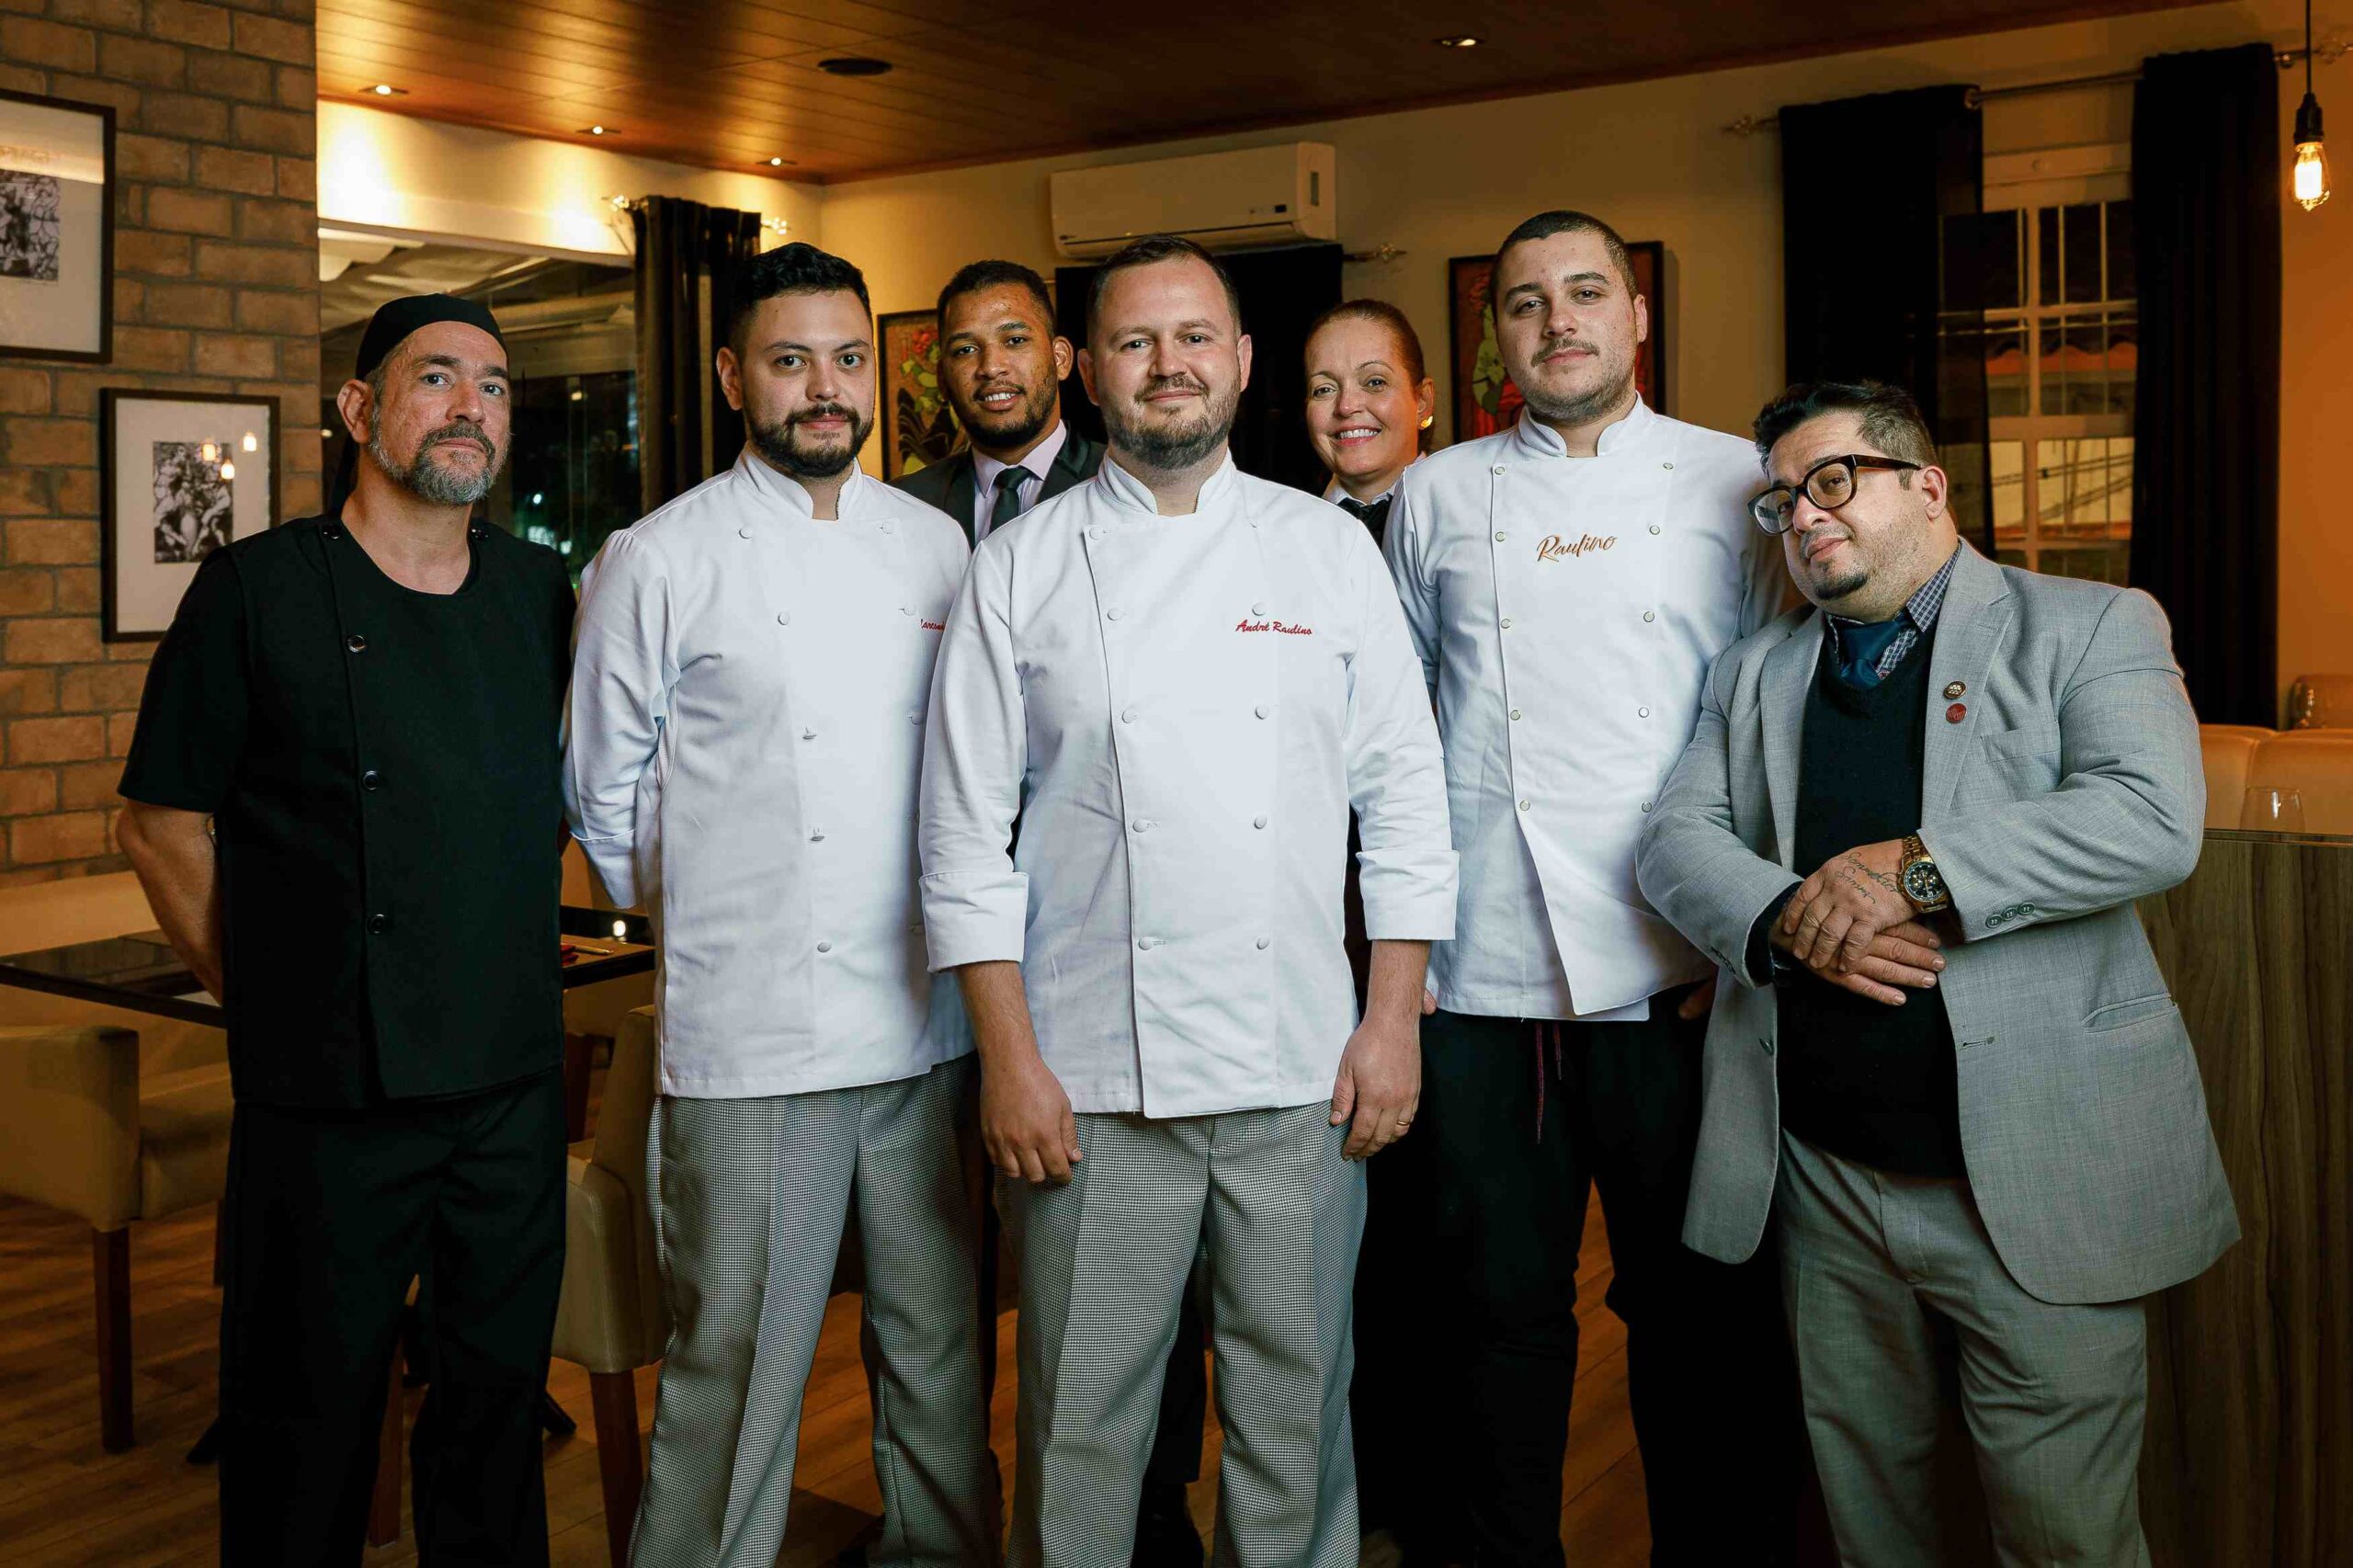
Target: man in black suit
[(1002, 369)]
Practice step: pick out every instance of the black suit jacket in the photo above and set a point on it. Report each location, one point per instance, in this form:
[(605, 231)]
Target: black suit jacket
[(949, 487)]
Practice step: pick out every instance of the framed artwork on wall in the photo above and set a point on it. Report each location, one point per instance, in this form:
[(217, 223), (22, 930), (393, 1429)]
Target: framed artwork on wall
[(180, 474), (919, 427), (56, 229), (1485, 399)]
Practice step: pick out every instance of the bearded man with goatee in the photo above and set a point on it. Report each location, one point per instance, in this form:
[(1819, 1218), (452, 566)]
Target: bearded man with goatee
[(342, 801), (1568, 581), (1183, 679), (747, 719)]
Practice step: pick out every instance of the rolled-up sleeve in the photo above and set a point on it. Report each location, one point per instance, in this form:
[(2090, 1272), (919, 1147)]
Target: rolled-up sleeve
[(975, 905), (622, 677), (1407, 864)]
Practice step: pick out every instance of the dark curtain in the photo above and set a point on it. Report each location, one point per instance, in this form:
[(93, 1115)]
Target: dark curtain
[(1282, 293), (1879, 263), (2206, 180), (686, 258)]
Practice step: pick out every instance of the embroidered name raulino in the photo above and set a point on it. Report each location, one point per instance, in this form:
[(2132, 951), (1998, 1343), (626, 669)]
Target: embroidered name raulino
[(1285, 628), (1553, 547)]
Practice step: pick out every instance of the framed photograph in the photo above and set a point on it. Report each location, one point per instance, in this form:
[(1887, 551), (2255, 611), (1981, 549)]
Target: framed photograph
[(919, 427), (56, 229), (1485, 399), (180, 474)]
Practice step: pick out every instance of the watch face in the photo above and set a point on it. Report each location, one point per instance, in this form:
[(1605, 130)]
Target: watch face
[(1921, 883)]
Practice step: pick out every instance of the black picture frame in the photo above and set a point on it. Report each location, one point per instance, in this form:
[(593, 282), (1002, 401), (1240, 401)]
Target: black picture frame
[(113, 404), (103, 353)]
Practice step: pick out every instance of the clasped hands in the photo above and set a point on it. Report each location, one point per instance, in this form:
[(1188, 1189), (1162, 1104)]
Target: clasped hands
[(1851, 925)]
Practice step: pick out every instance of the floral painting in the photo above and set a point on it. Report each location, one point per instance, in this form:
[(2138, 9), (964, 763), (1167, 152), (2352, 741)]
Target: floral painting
[(919, 427), (1485, 399)]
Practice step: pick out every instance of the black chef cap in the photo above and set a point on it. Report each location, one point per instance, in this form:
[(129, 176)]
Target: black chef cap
[(396, 319), (387, 329)]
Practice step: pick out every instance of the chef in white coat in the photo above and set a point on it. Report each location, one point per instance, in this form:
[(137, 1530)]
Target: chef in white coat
[(1184, 678), (1568, 581), (753, 667)]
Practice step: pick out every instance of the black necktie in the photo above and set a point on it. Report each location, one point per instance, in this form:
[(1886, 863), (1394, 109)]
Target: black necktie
[(1373, 516), (1009, 496)]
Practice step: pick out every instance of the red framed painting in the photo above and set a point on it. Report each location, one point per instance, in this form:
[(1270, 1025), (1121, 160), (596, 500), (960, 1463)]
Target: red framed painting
[(1485, 399)]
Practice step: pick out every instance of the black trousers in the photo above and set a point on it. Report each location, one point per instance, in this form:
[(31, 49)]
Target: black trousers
[(329, 1214), (1522, 1118)]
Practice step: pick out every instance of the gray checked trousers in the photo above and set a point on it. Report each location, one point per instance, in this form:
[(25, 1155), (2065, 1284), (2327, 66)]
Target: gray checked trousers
[(750, 1199), (1903, 1318), (1103, 1266)]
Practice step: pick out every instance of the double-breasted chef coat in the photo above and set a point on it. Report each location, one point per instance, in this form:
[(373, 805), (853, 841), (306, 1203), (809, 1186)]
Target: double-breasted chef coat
[(1183, 710), (748, 695), (1566, 610)]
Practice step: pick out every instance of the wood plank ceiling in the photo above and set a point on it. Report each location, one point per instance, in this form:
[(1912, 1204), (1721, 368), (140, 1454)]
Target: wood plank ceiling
[(730, 84)]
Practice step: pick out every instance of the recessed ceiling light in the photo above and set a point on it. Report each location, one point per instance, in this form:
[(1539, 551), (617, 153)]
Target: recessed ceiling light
[(854, 66), (1464, 40), (386, 90), (597, 130), (777, 163)]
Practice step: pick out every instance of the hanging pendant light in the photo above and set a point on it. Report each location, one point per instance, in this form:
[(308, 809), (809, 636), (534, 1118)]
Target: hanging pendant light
[(2311, 159)]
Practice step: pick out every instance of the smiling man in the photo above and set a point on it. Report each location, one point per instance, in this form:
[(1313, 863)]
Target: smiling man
[(342, 802), (1567, 582), (748, 717), (1002, 366), (1182, 679)]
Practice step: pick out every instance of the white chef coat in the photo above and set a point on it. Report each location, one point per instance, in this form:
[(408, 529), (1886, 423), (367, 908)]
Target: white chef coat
[(1183, 710), (1035, 463), (748, 693), (1566, 611)]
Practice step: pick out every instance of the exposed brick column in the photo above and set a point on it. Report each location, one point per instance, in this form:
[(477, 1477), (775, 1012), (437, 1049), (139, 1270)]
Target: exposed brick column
[(215, 290)]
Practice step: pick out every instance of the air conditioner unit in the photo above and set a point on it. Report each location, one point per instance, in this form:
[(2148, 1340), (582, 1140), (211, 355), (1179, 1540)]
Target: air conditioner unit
[(1255, 195)]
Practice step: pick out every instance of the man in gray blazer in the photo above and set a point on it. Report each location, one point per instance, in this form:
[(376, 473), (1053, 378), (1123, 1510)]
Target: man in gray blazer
[(1910, 826), (1001, 367)]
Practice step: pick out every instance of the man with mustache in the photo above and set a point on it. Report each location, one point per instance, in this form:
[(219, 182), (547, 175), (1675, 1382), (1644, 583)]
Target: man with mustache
[(747, 715), (344, 802), (1568, 581), (1182, 679), (1002, 366)]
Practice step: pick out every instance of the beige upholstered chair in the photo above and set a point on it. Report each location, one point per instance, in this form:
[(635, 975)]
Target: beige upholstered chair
[(2229, 749), (110, 1114), (611, 1318)]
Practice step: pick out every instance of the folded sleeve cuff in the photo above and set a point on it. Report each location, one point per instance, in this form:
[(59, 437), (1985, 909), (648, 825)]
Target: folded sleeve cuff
[(615, 862), (1407, 898), (976, 916)]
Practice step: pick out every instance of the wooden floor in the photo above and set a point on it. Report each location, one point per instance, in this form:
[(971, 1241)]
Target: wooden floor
[(64, 1501)]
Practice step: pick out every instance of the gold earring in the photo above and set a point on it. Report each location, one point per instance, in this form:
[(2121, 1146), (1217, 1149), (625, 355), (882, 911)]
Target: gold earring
[(1428, 420)]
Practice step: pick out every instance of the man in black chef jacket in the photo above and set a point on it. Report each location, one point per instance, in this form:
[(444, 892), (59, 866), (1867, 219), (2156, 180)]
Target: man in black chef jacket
[(344, 803)]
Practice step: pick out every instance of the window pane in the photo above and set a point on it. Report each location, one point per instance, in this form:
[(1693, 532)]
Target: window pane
[(2051, 366), (2086, 361), (2006, 370), (2005, 471), (2046, 255), (2124, 275), (2079, 253)]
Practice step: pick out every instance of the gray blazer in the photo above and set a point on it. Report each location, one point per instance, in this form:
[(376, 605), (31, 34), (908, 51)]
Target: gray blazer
[(2071, 786), (949, 485)]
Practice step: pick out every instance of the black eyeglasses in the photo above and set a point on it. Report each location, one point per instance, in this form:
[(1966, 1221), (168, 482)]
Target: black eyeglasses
[(1829, 484)]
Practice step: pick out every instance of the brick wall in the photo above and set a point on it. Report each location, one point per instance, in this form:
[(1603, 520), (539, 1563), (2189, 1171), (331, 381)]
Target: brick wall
[(215, 290)]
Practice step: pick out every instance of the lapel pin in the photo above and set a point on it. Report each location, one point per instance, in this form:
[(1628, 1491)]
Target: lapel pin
[(1954, 688), (1956, 713)]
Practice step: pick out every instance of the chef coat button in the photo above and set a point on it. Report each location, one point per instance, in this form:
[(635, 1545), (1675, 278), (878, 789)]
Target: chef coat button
[(1143, 944), (1641, 712), (808, 734), (1113, 614), (816, 835), (915, 717), (1142, 824), (1258, 608), (1514, 712), (378, 924), (356, 643), (1650, 615), (1506, 623), (1666, 465), (1257, 822), (743, 533), (371, 779), (824, 947), (1265, 942), (907, 609), (1656, 529), (784, 618), (1499, 538), (1127, 716), (1646, 805), (1497, 468), (1261, 710), (1094, 532), (1523, 805), (886, 527)]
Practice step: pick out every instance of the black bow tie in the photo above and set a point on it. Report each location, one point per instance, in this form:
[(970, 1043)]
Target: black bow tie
[(1373, 515)]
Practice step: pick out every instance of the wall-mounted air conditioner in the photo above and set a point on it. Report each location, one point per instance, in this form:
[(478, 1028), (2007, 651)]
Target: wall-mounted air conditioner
[(1255, 195)]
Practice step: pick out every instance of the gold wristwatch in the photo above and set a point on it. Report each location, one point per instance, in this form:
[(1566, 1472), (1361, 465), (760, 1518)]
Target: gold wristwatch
[(1917, 874)]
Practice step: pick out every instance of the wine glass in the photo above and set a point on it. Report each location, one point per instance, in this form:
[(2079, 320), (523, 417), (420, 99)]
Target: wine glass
[(2268, 810)]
